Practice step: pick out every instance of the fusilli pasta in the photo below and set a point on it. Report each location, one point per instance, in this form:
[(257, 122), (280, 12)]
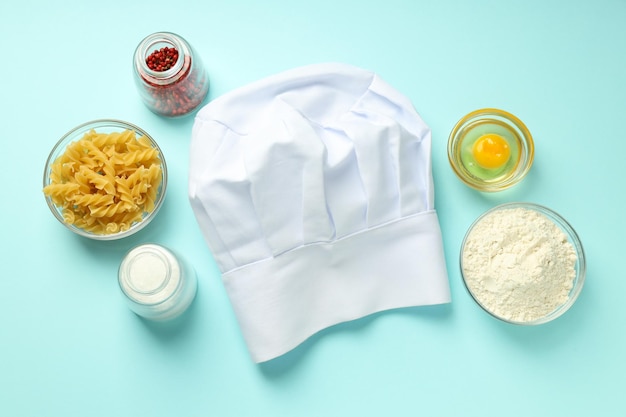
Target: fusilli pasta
[(106, 182)]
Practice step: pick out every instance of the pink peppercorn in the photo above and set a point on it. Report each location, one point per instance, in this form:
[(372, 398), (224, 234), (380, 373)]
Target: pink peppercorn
[(162, 59)]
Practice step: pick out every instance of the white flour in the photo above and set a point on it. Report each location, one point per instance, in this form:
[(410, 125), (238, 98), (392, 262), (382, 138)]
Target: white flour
[(518, 264)]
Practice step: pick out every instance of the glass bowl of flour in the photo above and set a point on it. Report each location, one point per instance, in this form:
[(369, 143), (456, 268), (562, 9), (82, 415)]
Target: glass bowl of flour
[(523, 263)]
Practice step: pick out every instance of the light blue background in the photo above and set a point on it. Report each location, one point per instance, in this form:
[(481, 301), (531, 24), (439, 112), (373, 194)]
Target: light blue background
[(70, 347)]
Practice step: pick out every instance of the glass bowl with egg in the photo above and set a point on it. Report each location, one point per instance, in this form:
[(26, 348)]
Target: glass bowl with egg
[(490, 149), (523, 263), (105, 179)]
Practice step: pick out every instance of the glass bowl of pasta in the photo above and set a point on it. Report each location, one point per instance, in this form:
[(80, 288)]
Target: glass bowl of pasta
[(105, 179)]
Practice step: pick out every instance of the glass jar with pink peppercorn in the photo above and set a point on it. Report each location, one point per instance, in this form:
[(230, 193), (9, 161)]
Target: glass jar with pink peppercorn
[(169, 75)]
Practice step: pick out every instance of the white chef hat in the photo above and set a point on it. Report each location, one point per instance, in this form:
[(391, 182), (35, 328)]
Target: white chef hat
[(314, 192)]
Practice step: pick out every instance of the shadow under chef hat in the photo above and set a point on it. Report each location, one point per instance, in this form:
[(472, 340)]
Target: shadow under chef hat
[(313, 189)]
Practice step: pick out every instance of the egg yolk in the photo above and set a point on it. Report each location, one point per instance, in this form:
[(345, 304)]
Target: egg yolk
[(491, 151)]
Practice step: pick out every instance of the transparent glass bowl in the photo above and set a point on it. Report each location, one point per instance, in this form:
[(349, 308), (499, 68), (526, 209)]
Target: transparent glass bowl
[(104, 126), (490, 121), (572, 237)]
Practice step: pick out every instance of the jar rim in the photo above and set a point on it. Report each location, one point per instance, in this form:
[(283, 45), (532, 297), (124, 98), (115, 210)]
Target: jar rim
[(167, 290), (154, 41)]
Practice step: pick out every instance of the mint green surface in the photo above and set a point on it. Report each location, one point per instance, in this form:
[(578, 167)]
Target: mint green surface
[(69, 346)]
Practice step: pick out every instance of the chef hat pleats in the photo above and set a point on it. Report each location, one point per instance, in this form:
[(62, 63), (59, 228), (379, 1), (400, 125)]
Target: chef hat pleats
[(285, 165), (314, 192)]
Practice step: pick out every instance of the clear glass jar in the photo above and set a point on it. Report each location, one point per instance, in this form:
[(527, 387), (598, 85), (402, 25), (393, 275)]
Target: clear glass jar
[(175, 90), (157, 284)]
